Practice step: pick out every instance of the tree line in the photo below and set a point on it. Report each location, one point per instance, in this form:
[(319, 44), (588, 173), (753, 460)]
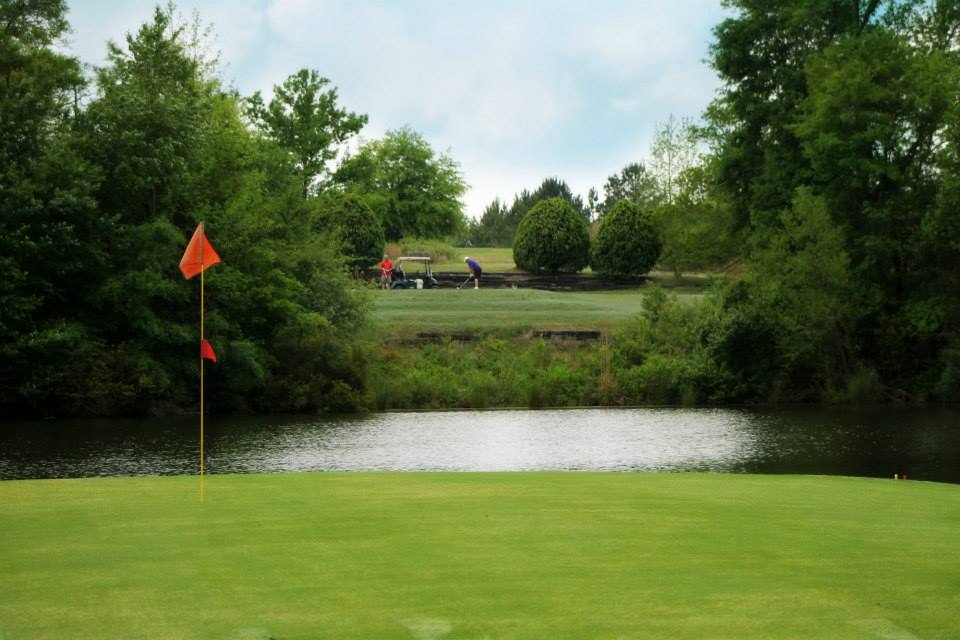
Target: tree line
[(835, 149), (104, 175), (676, 189)]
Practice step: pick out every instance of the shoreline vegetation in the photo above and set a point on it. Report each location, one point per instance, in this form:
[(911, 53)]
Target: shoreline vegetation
[(660, 345), (474, 555)]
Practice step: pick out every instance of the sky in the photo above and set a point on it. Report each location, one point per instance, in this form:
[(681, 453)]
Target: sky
[(515, 92)]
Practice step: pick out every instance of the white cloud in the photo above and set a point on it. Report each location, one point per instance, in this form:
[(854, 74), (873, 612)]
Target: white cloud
[(485, 82), (675, 90), (634, 44), (237, 28), (629, 105), (516, 91), (488, 181), (93, 24)]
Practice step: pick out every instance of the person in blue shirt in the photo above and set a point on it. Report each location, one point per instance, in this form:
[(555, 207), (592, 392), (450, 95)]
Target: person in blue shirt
[(475, 271)]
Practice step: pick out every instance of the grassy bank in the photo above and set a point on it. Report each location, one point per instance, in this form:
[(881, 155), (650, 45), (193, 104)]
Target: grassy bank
[(503, 311), (457, 556), (500, 310)]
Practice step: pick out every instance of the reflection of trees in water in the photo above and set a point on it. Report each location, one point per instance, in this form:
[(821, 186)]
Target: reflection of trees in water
[(874, 442)]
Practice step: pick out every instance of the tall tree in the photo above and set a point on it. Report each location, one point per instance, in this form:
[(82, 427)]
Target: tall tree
[(303, 117), (174, 150), (413, 191), (147, 120), (761, 54), (804, 281), (557, 188), (492, 229), (145, 129), (674, 151), (97, 198), (696, 227), (359, 231), (633, 183), (849, 105), (507, 220), (48, 220), (876, 115)]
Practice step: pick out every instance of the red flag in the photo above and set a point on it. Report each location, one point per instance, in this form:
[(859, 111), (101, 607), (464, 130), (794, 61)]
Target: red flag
[(199, 255), (206, 350)]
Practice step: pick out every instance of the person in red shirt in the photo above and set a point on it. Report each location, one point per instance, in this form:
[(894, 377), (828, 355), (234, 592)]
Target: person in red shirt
[(386, 272)]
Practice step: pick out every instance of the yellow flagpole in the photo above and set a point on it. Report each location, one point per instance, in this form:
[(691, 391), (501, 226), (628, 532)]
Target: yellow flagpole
[(201, 386)]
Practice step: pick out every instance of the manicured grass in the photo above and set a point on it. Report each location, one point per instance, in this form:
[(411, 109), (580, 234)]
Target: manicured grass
[(491, 259), (517, 310), (405, 311), (458, 556), (511, 311)]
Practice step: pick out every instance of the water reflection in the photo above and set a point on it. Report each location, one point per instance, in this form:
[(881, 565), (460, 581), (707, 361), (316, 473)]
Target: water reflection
[(925, 444), (606, 440)]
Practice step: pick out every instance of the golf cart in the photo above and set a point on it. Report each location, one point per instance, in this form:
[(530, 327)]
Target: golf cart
[(421, 279)]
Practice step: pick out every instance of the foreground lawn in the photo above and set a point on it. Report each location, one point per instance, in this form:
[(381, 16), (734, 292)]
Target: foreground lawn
[(457, 556), (504, 309)]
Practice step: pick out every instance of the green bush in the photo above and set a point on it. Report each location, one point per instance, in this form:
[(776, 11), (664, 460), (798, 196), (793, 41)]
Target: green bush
[(667, 379), (552, 237), (627, 242), (239, 376), (360, 231), (665, 355), (863, 387), (490, 373), (745, 343), (106, 381), (315, 368), (947, 387), (696, 236)]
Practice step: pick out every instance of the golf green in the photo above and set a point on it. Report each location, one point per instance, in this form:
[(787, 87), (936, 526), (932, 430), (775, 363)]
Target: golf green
[(479, 555), (399, 312)]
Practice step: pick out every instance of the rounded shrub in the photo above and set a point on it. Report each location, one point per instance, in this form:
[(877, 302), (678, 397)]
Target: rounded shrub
[(627, 243), (360, 232), (552, 237)]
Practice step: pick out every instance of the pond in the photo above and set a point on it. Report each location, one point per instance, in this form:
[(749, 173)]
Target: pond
[(925, 444)]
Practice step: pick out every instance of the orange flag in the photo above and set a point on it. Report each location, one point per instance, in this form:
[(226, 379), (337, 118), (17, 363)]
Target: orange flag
[(206, 350), (199, 255)]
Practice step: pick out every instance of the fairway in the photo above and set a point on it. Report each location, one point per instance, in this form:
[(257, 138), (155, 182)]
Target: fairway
[(491, 259), (461, 556), (402, 312)]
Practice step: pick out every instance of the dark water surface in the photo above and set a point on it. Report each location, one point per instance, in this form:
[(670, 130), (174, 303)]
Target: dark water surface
[(924, 443)]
